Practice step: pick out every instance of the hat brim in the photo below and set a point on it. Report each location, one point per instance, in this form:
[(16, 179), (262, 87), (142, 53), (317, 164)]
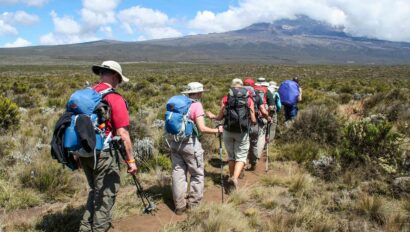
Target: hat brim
[(195, 91), (97, 70)]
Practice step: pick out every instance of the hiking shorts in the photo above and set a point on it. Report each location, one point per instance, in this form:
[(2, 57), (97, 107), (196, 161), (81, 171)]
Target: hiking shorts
[(236, 145)]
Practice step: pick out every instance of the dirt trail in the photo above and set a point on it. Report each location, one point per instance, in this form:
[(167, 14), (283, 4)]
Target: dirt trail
[(164, 215)]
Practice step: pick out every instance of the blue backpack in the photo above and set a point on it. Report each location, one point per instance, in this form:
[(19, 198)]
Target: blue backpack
[(289, 92), (87, 102), (177, 122)]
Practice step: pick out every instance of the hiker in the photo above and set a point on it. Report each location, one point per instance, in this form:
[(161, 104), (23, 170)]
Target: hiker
[(274, 109), (237, 109), (258, 131), (187, 155), (290, 94), (103, 174)]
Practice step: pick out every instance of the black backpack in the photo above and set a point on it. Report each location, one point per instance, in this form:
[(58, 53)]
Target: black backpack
[(237, 112)]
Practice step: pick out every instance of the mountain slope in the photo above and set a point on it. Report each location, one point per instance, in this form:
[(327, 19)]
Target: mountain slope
[(301, 40)]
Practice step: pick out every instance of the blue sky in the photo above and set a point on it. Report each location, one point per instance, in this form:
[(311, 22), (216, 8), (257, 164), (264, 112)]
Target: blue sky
[(50, 22)]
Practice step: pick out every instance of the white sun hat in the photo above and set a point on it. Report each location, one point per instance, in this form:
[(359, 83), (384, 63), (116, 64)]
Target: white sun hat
[(110, 65), (236, 83), (194, 87)]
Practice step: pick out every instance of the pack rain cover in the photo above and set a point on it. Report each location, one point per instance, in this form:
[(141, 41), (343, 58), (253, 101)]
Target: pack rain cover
[(176, 116), (289, 92), (83, 101)]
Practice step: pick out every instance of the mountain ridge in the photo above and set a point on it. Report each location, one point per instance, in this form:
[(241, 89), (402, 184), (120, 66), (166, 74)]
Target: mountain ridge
[(295, 41)]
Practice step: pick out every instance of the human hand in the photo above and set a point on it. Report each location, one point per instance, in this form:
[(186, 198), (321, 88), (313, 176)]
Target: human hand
[(220, 129), (210, 115), (132, 168)]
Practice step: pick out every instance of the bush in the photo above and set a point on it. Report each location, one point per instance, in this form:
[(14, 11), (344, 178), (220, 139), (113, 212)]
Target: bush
[(13, 198), (160, 161), (302, 151), (50, 178), (371, 138), (317, 123), (9, 114)]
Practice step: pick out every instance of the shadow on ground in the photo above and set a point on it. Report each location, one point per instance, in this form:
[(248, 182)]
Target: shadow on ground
[(66, 220)]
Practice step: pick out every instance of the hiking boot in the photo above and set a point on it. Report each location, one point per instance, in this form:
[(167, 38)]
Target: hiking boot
[(251, 168), (180, 211)]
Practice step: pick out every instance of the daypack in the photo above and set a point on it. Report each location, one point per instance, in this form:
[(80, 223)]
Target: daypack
[(81, 130), (237, 112), (262, 91), (289, 92), (178, 125)]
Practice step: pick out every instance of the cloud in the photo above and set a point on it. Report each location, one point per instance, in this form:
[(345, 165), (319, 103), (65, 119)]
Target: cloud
[(36, 3), (153, 24), (383, 19), (6, 29), (95, 13), (19, 17), (66, 31), (19, 42)]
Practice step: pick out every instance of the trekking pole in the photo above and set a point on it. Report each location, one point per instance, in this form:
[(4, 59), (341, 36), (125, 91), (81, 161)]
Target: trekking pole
[(267, 146), (149, 207), (222, 166)]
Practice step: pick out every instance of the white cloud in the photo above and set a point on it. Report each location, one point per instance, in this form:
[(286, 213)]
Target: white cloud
[(6, 29), (19, 17), (384, 19), (66, 31), (153, 24), (36, 3), (56, 39), (96, 13), (19, 42), (65, 25)]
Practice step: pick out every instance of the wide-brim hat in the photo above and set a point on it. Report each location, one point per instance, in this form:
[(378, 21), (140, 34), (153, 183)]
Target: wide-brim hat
[(194, 87), (236, 83), (110, 65)]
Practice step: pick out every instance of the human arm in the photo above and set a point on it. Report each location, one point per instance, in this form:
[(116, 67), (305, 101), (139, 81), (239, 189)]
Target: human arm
[(125, 136), (264, 113), (252, 111), (200, 123)]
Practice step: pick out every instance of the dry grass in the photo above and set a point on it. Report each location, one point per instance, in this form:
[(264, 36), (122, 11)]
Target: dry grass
[(371, 207), (213, 218)]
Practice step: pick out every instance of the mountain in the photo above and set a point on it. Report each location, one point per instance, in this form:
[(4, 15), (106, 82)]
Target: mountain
[(300, 40)]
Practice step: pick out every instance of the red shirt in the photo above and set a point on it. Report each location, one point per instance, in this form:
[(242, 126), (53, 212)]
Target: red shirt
[(119, 111)]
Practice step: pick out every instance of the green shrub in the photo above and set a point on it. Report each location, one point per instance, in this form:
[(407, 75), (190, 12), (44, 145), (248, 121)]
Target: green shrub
[(50, 178), (13, 198), (302, 151), (9, 114), (159, 161), (317, 123), (371, 138)]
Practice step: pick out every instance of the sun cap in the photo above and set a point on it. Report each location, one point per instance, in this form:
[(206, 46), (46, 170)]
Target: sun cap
[(236, 83), (249, 82), (193, 87), (273, 84), (110, 65)]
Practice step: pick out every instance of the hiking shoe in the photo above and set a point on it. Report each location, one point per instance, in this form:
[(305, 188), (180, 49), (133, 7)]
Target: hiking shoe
[(251, 168), (242, 175), (180, 211)]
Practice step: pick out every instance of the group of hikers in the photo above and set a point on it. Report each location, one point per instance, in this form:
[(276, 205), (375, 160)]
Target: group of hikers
[(248, 115)]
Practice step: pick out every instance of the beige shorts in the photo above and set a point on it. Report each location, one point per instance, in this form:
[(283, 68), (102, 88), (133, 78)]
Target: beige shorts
[(237, 145)]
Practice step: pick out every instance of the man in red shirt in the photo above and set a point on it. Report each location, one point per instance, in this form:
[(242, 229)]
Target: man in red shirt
[(104, 177)]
